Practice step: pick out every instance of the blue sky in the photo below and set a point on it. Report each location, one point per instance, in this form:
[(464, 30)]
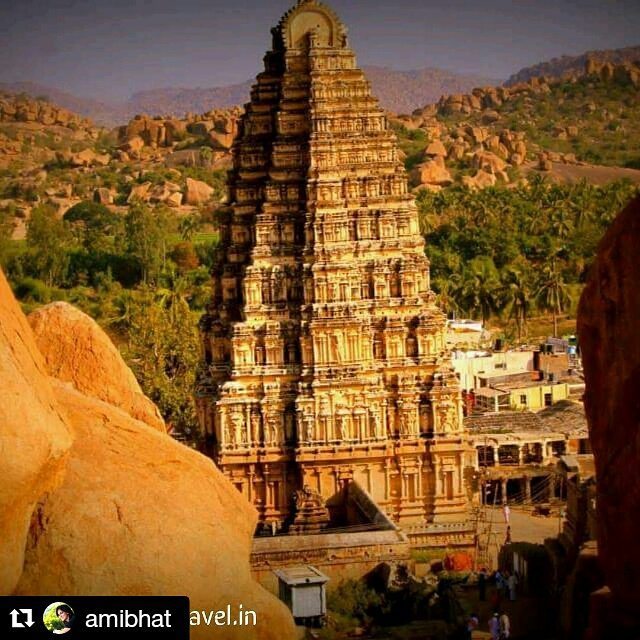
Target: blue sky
[(111, 48)]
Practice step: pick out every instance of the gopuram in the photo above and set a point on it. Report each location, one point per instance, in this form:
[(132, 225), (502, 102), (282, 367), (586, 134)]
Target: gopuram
[(324, 350)]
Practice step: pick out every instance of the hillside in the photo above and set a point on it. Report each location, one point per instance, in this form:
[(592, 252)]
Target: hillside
[(571, 65), (585, 126), (398, 91)]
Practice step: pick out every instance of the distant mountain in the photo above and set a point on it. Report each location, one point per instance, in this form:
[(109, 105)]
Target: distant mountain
[(404, 91), (574, 65), (398, 91), (102, 113), (177, 101)]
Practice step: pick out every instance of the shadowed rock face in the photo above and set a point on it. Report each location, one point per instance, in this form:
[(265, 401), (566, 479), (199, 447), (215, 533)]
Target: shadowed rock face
[(34, 436), (609, 330), (94, 501)]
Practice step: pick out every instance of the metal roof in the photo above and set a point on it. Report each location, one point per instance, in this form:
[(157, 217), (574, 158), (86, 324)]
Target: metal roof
[(302, 574)]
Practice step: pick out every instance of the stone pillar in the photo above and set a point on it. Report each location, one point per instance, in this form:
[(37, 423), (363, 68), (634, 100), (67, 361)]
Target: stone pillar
[(503, 489), (527, 488)]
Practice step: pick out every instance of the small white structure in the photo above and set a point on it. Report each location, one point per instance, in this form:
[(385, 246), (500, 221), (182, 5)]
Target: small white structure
[(303, 590)]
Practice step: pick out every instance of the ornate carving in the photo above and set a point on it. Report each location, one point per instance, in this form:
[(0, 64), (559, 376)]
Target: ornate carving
[(321, 315)]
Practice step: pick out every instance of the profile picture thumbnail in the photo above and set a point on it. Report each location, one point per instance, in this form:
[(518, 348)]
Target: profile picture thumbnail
[(58, 617)]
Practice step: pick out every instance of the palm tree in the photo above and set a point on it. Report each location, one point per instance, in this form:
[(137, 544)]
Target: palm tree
[(480, 286), (188, 227), (447, 291), (551, 292), (517, 298)]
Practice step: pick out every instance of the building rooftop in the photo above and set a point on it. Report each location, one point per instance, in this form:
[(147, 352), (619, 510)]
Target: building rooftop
[(488, 392), (303, 574), (583, 465), (565, 416), (503, 421)]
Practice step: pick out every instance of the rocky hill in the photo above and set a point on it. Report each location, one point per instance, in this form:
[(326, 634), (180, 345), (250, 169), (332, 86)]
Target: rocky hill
[(398, 91), (102, 113), (499, 134), (573, 65)]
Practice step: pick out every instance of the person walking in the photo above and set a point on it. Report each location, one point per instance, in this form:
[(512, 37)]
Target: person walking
[(494, 626), (506, 512), (504, 626), (472, 624)]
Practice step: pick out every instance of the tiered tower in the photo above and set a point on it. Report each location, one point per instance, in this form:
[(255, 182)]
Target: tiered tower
[(324, 350)]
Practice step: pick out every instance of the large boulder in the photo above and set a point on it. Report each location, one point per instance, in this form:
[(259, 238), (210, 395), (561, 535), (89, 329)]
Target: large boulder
[(610, 341), (139, 513), (435, 149), (93, 501), (78, 351), (197, 192), (481, 180), (34, 437), (433, 172)]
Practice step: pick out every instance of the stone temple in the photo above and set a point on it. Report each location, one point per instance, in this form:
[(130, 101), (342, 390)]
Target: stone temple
[(324, 349)]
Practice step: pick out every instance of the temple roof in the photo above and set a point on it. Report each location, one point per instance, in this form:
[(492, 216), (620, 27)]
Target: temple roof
[(310, 16)]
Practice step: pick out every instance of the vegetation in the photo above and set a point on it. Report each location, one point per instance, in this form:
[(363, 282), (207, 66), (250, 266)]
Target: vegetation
[(136, 275), (606, 114), (507, 253)]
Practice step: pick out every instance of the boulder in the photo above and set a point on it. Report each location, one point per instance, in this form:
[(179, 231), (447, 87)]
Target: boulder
[(175, 199), (610, 343), (457, 151), (139, 192), (477, 134), (78, 351), (197, 192), (487, 161), (34, 437), (481, 180), (435, 148), (544, 163), (95, 502), (490, 116), (200, 128), (103, 195), (135, 144), (432, 172), (139, 513)]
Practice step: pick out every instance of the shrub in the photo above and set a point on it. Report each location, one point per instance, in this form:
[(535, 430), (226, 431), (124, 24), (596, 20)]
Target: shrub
[(32, 290)]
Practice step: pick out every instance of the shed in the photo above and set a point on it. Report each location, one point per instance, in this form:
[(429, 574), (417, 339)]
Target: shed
[(302, 589)]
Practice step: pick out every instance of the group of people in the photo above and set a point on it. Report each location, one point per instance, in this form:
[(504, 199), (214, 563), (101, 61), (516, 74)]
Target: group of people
[(506, 582), (499, 625)]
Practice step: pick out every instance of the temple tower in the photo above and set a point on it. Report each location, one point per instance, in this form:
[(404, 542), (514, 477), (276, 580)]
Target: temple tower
[(324, 350)]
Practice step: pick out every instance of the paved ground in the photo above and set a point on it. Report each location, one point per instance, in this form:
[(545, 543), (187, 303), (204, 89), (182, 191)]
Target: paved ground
[(525, 527)]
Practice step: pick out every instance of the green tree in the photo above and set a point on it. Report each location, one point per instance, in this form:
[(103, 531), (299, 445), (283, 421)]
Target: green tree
[(49, 240), (146, 237), (188, 227), (517, 297), (480, 287), (7, 226), (552, 293), (94, 225), (163, 351)]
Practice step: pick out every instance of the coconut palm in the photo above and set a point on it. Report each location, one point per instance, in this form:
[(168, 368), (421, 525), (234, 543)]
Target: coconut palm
[(551, 292), (517, 298)]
